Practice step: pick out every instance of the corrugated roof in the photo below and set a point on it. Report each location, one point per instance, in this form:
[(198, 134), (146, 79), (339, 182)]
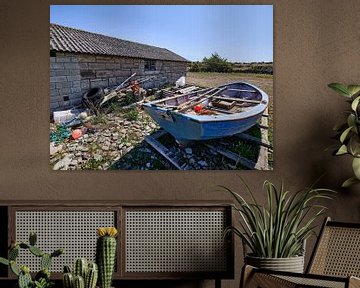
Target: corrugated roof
[(73, 40)]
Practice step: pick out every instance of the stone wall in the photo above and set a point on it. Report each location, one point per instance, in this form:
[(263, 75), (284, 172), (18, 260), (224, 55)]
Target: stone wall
[(71, 75)]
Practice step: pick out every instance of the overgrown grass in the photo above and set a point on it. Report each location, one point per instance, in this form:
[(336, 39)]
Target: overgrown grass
[(98, 119), (247, 150), (93, 164), (132, 114)]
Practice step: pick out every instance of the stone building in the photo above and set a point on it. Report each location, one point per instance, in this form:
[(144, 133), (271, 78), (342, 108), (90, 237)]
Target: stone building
[(81, 60)]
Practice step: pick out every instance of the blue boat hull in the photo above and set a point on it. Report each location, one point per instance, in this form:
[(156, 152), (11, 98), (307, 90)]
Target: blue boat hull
[(185, 128)]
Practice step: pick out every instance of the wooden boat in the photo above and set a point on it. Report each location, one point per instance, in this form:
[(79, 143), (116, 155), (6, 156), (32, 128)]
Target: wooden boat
[(210, 113)]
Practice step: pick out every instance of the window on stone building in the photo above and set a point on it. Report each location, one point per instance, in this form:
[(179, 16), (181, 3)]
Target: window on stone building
[(150, 65)]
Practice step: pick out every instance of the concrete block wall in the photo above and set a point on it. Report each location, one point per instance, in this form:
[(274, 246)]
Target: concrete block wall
[(65, 89), (71, 75)]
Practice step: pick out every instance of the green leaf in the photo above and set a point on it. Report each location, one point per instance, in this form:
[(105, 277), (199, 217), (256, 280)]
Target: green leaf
[(14, 268), (340, 88), (355, 103), (354, 145), (349, 182), (356, 167), (352, 121), (342, 150), (32, 238), (353, 90), (4, 261), (345, 134)]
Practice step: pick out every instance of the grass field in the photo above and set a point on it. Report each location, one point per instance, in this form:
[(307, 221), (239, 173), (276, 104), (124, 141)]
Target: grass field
[(263, 81)]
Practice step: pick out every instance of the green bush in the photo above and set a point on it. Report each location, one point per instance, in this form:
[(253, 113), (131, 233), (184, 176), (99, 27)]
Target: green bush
[(195, 67), (216, 64)]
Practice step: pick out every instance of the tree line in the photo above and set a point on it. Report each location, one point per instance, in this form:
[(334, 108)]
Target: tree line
[(216, 63)]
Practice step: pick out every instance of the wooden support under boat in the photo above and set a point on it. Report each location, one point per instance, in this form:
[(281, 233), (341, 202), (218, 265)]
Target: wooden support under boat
[(165, 152), (255, 140), (232, 156), (238, 99)]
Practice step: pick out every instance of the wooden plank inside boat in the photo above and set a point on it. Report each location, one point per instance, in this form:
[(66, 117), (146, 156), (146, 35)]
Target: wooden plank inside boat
[(237, 99), (223, 104)]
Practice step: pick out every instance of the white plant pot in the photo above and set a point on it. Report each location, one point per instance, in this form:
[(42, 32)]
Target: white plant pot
[(291, 264)]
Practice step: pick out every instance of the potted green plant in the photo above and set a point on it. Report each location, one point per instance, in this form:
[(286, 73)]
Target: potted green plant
[(349, 131), (276, 233)]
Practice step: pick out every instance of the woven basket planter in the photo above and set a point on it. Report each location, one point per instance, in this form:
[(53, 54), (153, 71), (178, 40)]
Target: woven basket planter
[(291, 264)]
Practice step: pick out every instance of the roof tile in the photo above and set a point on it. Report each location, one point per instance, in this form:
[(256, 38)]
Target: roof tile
[(68, 39)]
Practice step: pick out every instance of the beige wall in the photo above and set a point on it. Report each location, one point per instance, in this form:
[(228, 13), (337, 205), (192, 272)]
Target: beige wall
[(316, 42)]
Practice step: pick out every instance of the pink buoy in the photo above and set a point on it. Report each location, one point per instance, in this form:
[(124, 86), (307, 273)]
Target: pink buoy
[(75, 134)]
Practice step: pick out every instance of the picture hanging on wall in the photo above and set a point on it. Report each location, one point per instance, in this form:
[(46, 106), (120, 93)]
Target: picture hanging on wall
[(161, 87)]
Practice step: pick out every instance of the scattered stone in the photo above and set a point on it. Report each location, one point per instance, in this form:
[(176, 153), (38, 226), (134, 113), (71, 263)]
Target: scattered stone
[(192, 161), (63, 164), (120, 143), (188, 150), (83, 149), (55, 149), (202, 163), (98, 157)]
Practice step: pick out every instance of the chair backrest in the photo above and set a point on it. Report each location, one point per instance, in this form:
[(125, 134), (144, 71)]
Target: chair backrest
[(337, 251)]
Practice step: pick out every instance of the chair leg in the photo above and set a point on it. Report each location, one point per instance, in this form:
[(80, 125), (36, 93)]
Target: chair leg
[(217, 283), (246, 274), (354, 282)]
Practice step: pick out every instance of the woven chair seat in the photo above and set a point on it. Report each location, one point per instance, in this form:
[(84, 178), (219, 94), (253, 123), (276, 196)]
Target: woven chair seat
[(335, 262)]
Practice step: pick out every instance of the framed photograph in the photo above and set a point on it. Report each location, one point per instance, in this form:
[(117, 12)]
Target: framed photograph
[(161, 87)]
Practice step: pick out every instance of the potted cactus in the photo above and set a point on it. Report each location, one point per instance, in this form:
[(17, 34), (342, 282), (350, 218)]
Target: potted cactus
[(42, 278), (84, 275), (106, 254)]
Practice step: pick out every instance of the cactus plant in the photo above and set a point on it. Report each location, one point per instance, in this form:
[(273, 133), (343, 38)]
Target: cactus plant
[(105, 254), (91, 276), (79, 282), (42, 278), (24, 280), (84, 274), (80, 267), (68, 280)]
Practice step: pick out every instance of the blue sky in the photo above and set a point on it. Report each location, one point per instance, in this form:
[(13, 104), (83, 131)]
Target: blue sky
[(237, 32)]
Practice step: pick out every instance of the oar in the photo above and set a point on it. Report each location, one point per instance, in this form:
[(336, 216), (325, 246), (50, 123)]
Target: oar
[(182, 106), (208, 97)]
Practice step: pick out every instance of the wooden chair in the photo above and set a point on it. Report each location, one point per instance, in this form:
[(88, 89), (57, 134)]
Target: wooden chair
[(335, 262)]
